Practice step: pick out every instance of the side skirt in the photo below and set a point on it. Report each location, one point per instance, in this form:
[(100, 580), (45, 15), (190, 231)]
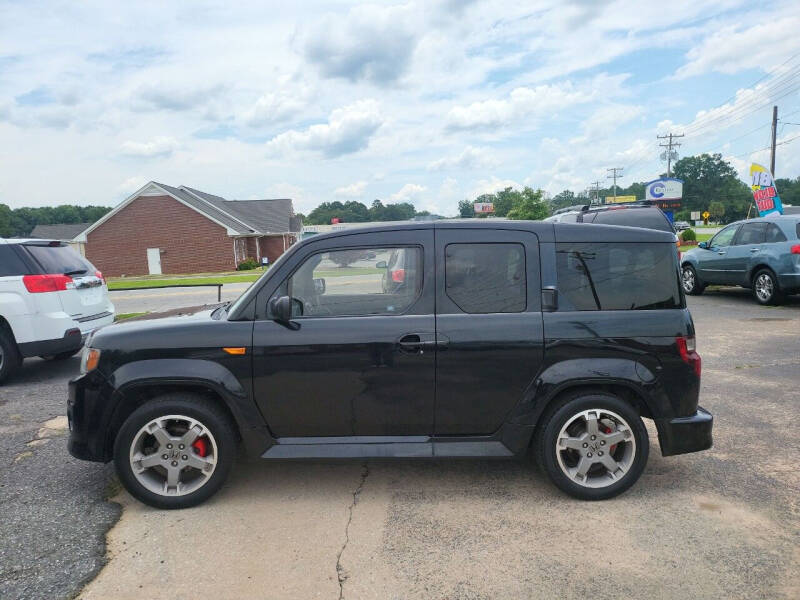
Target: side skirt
[(385, 447)]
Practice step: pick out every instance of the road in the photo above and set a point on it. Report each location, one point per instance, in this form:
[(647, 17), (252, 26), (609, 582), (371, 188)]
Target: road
[(721, 523)]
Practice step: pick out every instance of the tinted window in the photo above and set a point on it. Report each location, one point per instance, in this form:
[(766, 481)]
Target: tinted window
[(358, 282), (10, 263), (486, 278), (751, 233), (774, 234), (724, 237), (569, 218), (617, 276), (59, 259), (649, 218)]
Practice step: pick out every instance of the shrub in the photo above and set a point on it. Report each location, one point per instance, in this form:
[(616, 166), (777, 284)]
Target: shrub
[(689, 235), (247, 265)]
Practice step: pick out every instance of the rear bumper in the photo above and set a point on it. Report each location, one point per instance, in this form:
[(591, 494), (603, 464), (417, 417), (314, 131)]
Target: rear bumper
[(685, 434), (71, 342)]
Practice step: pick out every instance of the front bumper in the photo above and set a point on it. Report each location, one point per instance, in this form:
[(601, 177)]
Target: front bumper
[(685, 434), (88, 414)]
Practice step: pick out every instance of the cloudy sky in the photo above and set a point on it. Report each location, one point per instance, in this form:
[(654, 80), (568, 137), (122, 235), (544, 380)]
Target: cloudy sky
[(427, 102)]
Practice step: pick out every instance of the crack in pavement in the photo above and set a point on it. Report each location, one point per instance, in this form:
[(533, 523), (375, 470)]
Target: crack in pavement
[(340, 573)]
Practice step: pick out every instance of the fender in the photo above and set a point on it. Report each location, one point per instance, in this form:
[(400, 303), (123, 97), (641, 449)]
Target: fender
[(565, 374), (213, 376)]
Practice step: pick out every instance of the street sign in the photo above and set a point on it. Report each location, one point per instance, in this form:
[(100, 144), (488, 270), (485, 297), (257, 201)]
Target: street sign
[(706, 214), (619, 199), (695, 215)]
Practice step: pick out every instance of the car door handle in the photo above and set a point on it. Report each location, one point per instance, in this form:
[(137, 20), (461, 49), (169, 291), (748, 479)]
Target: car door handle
[(754, 249), (417, 342), (721, 252)]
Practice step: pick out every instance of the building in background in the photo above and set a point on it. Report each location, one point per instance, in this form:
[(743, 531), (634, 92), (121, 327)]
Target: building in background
[(63, 232), (164, 229)]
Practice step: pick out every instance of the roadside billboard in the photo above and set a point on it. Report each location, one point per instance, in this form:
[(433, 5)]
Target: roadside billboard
[(666, 188), (764, 191), (484, 207), (619, 199)]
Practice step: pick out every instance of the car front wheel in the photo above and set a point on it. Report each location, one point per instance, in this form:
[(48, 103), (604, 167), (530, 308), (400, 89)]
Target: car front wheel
[(9, 356), (765, 288), (593, 445), (691, 284), (175, 451)]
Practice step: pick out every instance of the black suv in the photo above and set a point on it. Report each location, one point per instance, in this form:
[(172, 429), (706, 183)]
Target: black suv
[(506, 337)]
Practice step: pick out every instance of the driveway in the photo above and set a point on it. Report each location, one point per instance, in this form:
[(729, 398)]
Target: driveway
[(721, 523)]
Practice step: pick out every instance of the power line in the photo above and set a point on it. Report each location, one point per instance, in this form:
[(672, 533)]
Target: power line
[(616, 173), (669, 146)]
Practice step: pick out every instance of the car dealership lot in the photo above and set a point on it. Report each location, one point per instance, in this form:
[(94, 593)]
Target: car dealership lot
[(725, 522)]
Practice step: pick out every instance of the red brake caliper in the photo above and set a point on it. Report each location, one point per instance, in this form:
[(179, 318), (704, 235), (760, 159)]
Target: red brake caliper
[(200, 446), (607, 430)]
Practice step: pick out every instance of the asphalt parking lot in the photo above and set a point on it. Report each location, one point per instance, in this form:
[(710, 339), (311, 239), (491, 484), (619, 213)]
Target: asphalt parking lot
[(722, 523)]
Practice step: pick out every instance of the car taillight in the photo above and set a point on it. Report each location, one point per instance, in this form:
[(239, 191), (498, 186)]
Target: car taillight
[(795, 249), (40, 284), (399, 275), (99, 275), (687, 348)]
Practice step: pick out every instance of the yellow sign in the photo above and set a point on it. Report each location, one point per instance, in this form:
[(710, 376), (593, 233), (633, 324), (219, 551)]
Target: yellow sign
[(706, 214), (618, 199)]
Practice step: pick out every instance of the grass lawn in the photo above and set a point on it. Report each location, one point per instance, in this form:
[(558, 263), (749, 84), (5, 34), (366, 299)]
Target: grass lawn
[(123, 316), (701, 237)]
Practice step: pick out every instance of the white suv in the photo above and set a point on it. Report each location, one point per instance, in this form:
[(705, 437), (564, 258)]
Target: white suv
[(51, 298)]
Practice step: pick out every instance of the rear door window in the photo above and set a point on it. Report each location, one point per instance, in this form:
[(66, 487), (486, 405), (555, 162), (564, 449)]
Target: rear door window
[(617, 276), (751, 233), (774, 234), (59, 259), (486, 278), (10, 263)]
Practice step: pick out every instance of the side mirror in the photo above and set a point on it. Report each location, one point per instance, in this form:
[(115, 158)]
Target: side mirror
[(281, 308), (703, 245), (381, 265), (319, 285)]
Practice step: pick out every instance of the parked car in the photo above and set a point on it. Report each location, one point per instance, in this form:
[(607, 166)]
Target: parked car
[(630, 215), (761, 254), (51, 298), (682, 226), (508, 337)]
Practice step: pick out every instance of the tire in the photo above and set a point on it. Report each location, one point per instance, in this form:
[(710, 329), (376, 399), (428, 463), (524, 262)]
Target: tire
[(766, 289), (61, 355), (690, 282), (9, 354), (169, 416), (615, 419)]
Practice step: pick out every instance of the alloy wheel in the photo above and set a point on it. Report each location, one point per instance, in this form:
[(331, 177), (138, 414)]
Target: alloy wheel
[(765, 287), (595, 448), (173, 455), (688, 279)]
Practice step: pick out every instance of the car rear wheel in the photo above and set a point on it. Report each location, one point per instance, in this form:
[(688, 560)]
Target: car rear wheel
[(175, 451), (765, 288), (691, 284), (9, 355), (593, 445)]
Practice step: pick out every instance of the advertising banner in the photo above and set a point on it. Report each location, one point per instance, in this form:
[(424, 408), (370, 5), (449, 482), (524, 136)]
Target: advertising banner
[(484, 207), (764, 191), (619, 199), (666, 188)]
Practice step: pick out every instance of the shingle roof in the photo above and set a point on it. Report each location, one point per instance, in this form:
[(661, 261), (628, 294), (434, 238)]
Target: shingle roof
[(60, 231), (208, 208), (259, 216)]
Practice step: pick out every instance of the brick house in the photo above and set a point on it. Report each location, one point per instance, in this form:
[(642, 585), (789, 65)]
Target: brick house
[(165, 229)]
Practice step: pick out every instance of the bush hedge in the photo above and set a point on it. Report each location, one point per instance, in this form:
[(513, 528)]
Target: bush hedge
[(247, 265), (689, 235)]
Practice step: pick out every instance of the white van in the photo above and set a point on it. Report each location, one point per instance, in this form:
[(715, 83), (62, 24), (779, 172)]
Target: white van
[(51, 298)]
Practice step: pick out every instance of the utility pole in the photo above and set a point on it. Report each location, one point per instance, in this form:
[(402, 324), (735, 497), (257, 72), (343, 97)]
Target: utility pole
[(774, 135), (616, 173), (596, 189), (668, 146)]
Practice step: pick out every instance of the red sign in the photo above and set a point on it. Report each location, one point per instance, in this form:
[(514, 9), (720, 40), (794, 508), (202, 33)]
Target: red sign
[(334, 220), (764, 193), (765, 203)]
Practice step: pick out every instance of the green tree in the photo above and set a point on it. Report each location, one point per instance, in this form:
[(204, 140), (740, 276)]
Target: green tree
[(529, 205), (563, 200), (717, 210), (465, 209), (789, 190), (6, 230), (708, 178), (502, 200)]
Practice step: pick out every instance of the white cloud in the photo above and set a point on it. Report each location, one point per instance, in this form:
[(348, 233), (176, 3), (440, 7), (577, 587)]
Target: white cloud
[(354, 190), (470, 158), (276, 107), (408, 193), (160, 146), (761, 44), (130, 185), (348, 130), (371, 43), (491, 185)]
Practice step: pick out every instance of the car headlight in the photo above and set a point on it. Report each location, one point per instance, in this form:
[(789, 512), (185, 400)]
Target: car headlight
[(89, 359)]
